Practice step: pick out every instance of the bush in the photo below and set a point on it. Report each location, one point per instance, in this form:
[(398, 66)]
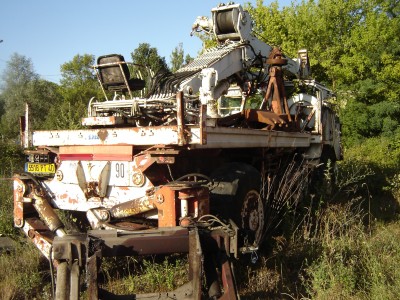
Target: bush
[(11, 159)]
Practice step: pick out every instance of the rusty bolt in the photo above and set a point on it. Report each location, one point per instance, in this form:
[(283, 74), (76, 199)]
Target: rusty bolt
[(31, 233), (137, 178), (160, 199), (185, 222), (59, 175)]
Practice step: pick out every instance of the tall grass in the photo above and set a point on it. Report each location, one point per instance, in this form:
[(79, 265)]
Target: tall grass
[(340, 245), (149, 275), (11, 160), (357, 265), (24, 274)]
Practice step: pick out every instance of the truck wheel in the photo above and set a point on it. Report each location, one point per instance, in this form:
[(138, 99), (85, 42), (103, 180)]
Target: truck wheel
[(235, 194)]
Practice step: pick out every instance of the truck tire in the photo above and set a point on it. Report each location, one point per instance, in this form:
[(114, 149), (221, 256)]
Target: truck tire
[(236, 196)]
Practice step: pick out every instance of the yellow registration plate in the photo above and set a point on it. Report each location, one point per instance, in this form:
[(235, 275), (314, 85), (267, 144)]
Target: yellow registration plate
[(40, 168)]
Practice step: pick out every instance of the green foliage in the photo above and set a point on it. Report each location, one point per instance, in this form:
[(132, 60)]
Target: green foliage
[(22, 275), (149, 64), (188, 59), (177, 58), (78, 85), (11, 161), (146, 55), (11, 158), (66, 116), (353, 48), (6, 208), (22, 85)]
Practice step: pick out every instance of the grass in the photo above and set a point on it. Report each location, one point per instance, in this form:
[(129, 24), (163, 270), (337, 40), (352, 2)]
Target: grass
[(24, 274), (148, 275)]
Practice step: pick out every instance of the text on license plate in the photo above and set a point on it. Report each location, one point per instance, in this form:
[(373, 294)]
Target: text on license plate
[(40, 168)]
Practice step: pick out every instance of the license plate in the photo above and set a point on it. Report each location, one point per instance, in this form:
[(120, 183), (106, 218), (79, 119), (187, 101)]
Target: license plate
[(40, 169)]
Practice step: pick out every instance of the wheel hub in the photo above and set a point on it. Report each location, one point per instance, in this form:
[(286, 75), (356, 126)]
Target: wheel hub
[(252, 217)]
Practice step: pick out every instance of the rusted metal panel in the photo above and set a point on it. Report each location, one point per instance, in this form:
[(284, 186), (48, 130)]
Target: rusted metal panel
[(157, 241), (39, 234), (227, 276), (161, 135), (262, 116), (19, 189), (142, 162), (222, 137), (175, 202), (167, 205), (102, 121), (228, 282), (208, 137), (131, 208)]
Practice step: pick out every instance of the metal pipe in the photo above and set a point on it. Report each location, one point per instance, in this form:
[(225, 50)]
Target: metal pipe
[(48, 215), (184, 208), (62, 281), (74, 281), (180, 115), (130, 208)]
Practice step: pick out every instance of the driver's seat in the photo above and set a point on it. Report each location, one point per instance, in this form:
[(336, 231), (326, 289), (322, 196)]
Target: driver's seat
[(113, 74)]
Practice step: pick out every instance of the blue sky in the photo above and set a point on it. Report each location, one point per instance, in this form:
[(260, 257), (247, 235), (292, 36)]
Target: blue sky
[(52, 32)]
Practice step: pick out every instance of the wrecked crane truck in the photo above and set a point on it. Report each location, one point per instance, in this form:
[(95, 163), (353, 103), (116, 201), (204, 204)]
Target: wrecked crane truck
[(184, 162)]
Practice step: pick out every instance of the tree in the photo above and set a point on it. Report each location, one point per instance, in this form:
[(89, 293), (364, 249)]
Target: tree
[(188, 59), (23, 85), (148, 56), (151, 65), (354, 48), (177, 58), (78, 85)]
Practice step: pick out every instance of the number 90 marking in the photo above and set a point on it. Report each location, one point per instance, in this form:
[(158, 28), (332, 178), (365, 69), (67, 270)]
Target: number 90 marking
[(119, 170)]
